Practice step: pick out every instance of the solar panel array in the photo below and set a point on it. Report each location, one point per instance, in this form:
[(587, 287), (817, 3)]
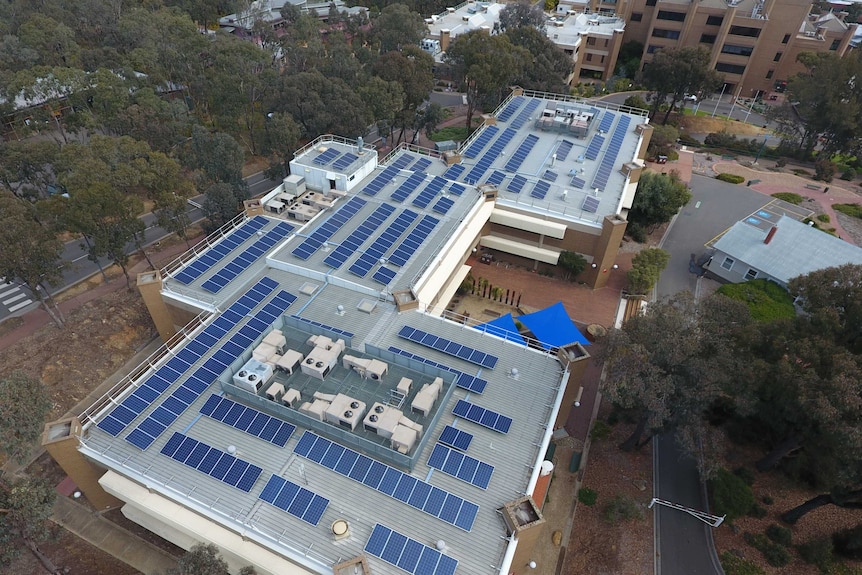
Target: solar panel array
[(454, 171), (443, 205), (325, 231), (521, 153), (344, 161), (462, 466), (248, 256), (511, 108), (480, 142), (408, 554), (563, 150), (540, 190), (216, 253), (482, 416), (591, 204), (551, 176), (334, 330), (326, 156), (478, 170), (248, 420), (381, 245), (457, 438), (496, 178), (298, 501), (609, 159), (389, 481), (358, 236), (132, 406), (607, 121), (448, 346), (421, 165), (384, 275), (214, 462), (434, 187), (522, 118), (176, 403), (517, 184), (463, 380), (407, 187), (380, 180), (578, 182), (414, 239), (595, 145), (456, 189)]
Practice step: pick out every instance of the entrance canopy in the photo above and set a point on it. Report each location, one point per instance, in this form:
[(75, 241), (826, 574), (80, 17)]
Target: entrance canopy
[(553, 327), (504, 326)]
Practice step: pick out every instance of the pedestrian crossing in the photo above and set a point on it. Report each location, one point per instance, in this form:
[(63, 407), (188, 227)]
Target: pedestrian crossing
[(13, 298)]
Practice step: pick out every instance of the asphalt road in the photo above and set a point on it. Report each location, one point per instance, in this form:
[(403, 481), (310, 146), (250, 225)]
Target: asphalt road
[(684, 544), (16, 299)]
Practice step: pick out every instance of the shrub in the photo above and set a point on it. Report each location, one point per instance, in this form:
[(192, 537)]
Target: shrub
[(775, 554), (848, 542), (789, 197), (688, 140), (767, 500), (817, 552), (601, 430), (622, 508), (854, 210), (824, 170), (823, 218), (745, 474), (730, 178), (801, 172), (766, 300), (757, 512), (780, 163), (587, 496), (734, 565), (730, 495), (647, 266), (781, 535), (637, 232), (455, 133), (848, 174)]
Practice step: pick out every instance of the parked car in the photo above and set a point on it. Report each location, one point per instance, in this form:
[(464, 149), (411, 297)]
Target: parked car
[(690, 97)]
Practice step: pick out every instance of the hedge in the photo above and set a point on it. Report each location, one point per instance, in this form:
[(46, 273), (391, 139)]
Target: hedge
[(730, 178)]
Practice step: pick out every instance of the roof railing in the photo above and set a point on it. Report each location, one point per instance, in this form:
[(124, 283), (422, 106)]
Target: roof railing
[(209, 241)]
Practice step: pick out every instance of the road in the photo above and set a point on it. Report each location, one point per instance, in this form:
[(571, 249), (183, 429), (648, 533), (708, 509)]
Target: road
[(16, 299), (683, 543)]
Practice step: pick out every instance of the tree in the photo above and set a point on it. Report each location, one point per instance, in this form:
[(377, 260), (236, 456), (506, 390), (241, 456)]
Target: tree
[(221, 205), (550, 66), (172, 214), (281, 138), (832, 297), (629, 59), (658, 198), (663, 139), (521, 15), (647, 266), (204, 560), (411, 68), (384, 100), (309, 98), (30, 253), (675, 72), (218, 157), (573, 263), (26, 167), (25, 506), (25, 407), (398, 27)]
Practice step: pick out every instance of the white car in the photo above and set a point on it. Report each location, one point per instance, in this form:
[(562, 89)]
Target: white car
[(690, 97)]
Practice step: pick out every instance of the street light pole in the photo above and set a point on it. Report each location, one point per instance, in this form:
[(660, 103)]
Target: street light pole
[(760, 151)]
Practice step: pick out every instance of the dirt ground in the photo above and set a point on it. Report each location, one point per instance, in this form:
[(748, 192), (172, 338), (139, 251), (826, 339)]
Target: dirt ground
[(704, 125)]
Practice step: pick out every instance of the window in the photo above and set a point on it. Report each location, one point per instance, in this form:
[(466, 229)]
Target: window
[(589, 57), (637, 17), (652, 49), (777, 56), (835, 44), (786, 39), (738, 50), (714, 20), (668, 15), (606, 43), (602, 60), (669, 34), (730, 68), (707, 39), (591, 41), (769, 74), (744, 31), (650, 2), (750, 274), (727, 263)]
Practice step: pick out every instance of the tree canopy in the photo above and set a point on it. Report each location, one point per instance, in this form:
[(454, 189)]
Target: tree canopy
[(675, 72), (24, 405), (659, 197)]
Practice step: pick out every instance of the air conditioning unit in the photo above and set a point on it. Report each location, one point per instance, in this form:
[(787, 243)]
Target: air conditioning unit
[(253, 375)]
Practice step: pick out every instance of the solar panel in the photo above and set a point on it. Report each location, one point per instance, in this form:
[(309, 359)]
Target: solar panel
[(329, 328), (421, 165), (463, 380), (600, 180), (496, 178), (563, 150), (480, 142), (413, 240), (220, 250), (357, 237), (578, 183), (456, 189), (298, 501), (488, 158), (387, 480), (607, 121), (550, 176), (524, 116), (595, 145), (344, 161), (381, 245), (443, 205), (218, 408), (408, 554), (384, 275), (434, 187), (540, 190), (407, 187), (482, 416), (511, 108), (591, 204), (328, 228), (449, 347), (521, 153), (198, 456), (462, 466), (454, 171), (454, 437), (251, 254), (517, 184), (380, 180), (325, 157)]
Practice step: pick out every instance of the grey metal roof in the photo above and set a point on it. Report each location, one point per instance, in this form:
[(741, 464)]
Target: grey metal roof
[(795, 249)]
